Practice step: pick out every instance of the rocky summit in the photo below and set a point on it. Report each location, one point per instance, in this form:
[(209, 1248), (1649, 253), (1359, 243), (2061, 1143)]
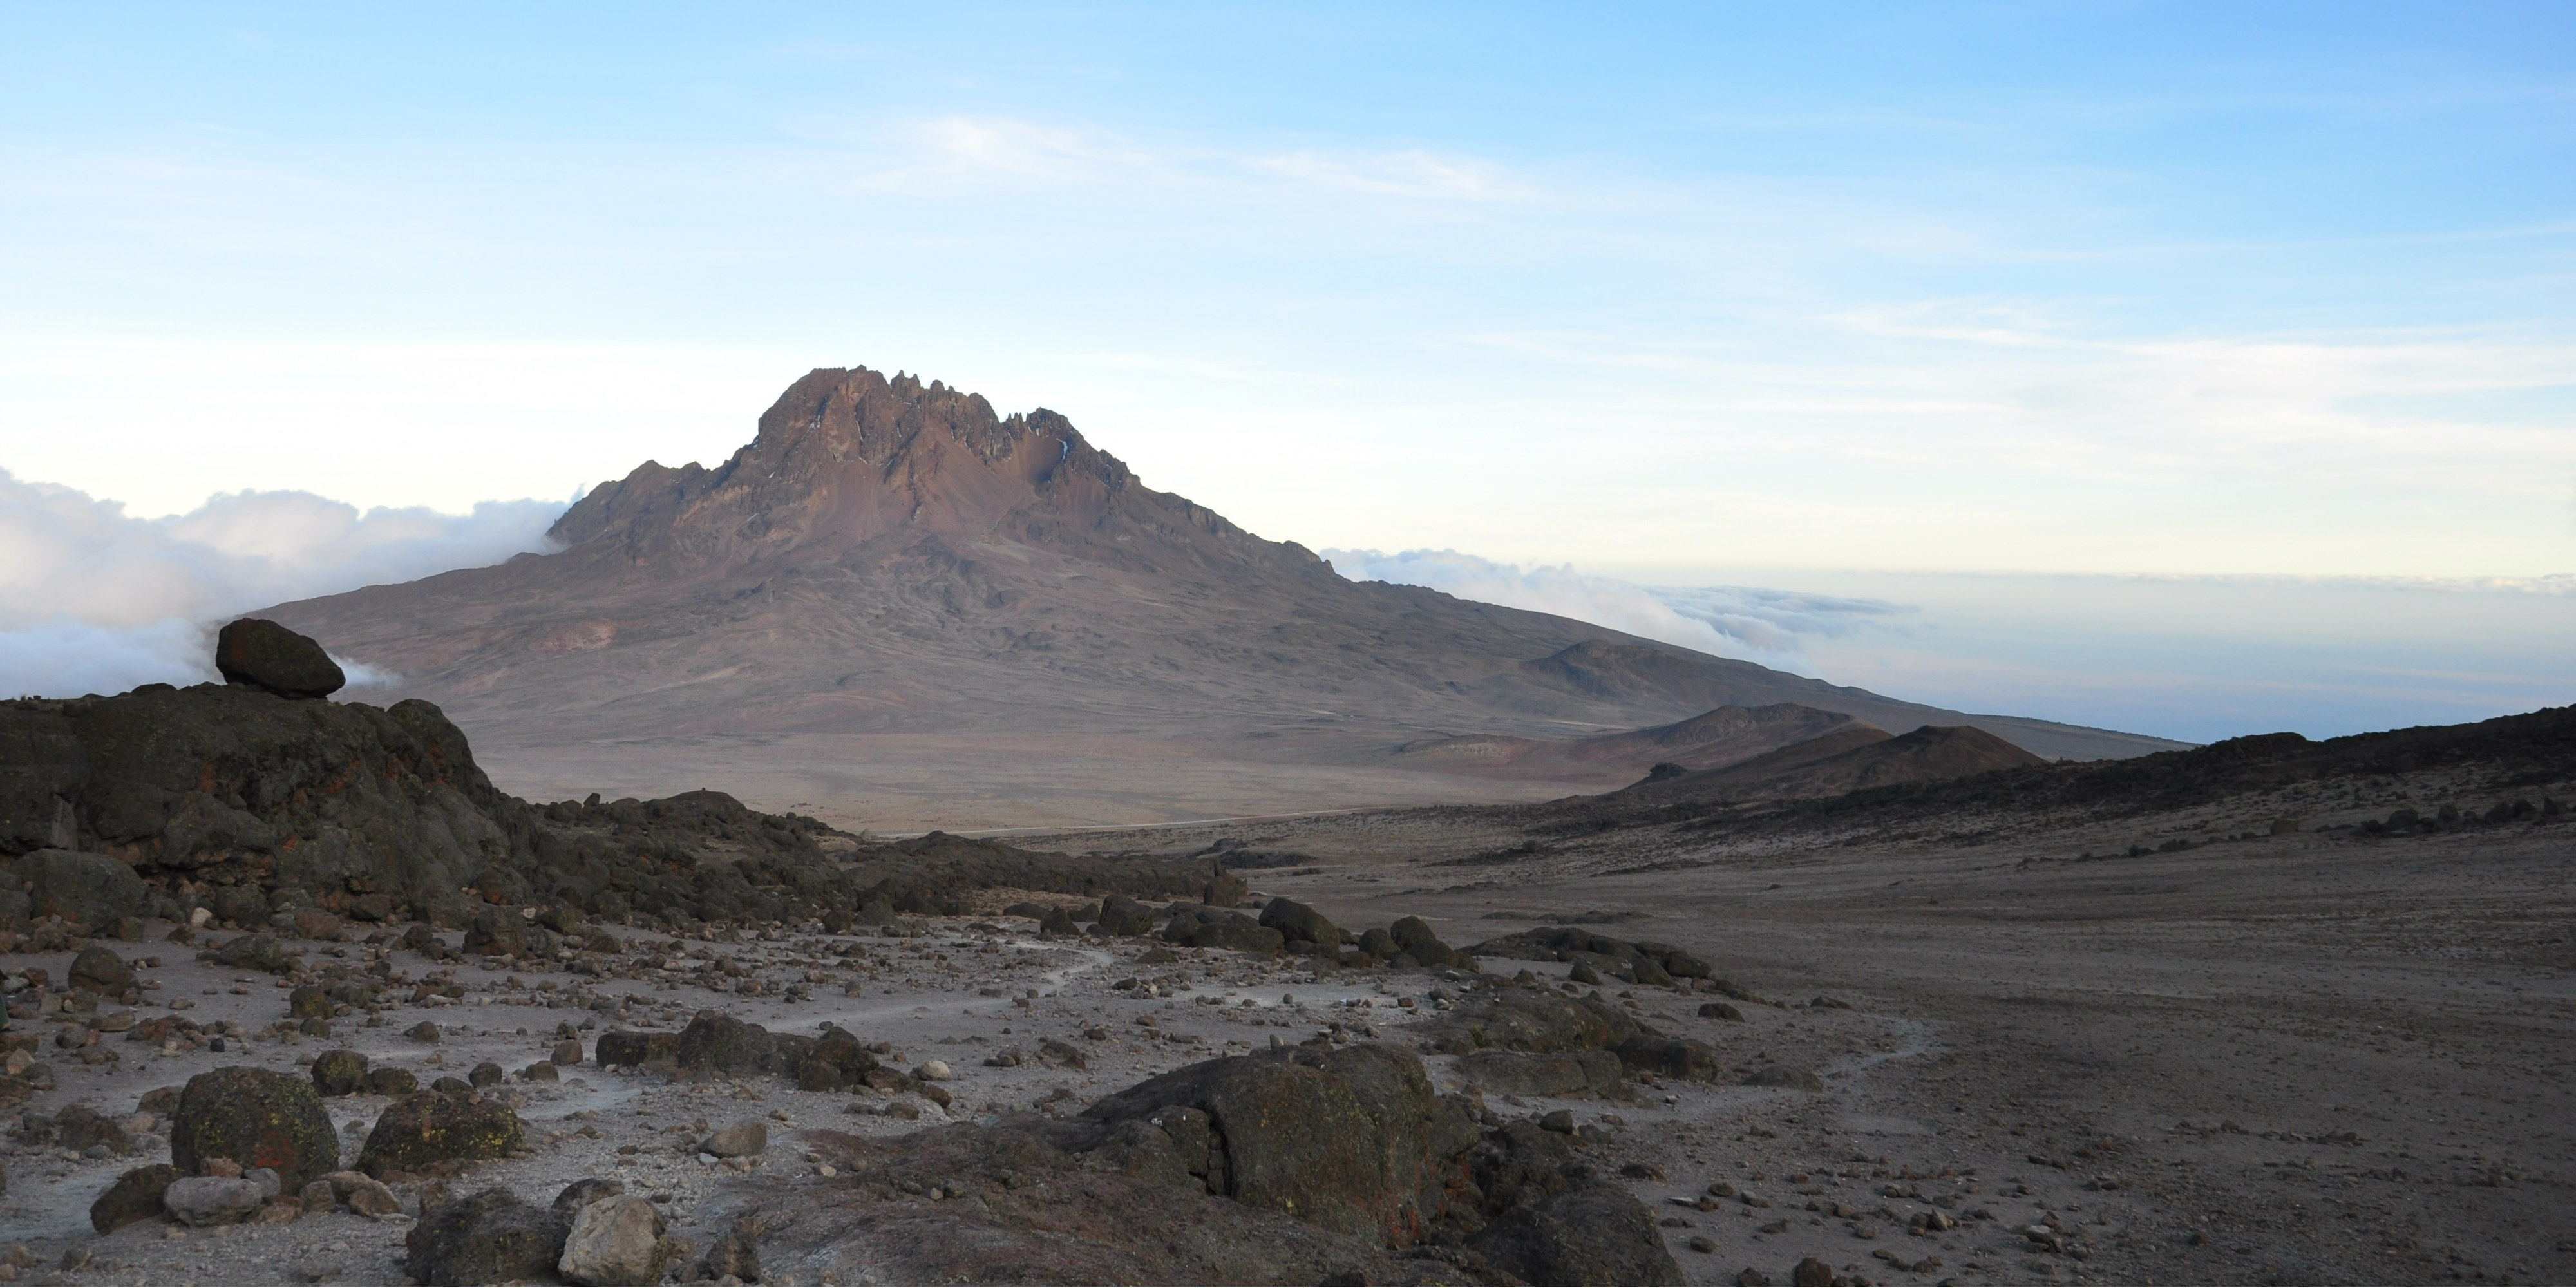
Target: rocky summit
[(898, 603)]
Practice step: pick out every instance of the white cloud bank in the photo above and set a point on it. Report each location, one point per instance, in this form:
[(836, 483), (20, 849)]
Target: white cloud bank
[(95, 601), (1767, 626)]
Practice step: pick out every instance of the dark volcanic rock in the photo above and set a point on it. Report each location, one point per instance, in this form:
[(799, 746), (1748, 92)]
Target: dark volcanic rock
[(101, 971), (1521, 1019), (264, 655), (1515, 1073), (1299, 924), (1595, 1233), (256, 952), (1033, 1215), (1343, 1139), (92, 889), (719, 1042), (136, 1196), (256, 1118), (1781, 1075), (1120, 915), (495, 1237), (1670, 1057), (428, 1127), (616, 1048), (1227, 930), (336, 1073)]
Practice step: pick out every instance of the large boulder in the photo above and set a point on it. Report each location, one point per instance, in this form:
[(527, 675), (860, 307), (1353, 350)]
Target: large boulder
[(1231, 931), (1120, 915), (722, 1044), (1684, 1058), (336, 1073), (1301, 926), (494, 1237), (1349, 1140), (614, 1240), (257, 1118), (91, 889), (429, 1127), (99, 970), (1593, 1233), (1516, 1073), (261, 654)]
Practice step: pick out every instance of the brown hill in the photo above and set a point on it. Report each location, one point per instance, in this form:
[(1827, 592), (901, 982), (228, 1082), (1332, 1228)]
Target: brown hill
[(895, 607), (1705, 741), (1846, 760)]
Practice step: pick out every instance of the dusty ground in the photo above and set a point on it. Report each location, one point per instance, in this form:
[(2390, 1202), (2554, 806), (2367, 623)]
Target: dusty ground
[(2322, 1057), (2304, 1058)]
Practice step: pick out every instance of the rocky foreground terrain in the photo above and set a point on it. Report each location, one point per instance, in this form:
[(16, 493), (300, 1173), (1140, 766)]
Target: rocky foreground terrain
[(295, 995)]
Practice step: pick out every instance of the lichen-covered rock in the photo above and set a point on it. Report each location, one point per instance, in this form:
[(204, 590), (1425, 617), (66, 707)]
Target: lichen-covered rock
[(388, 1080), (257, 1118), (91, 889), (136, 1196), (336, 1073), (259, 653), (494, 1237), (431, 1127)]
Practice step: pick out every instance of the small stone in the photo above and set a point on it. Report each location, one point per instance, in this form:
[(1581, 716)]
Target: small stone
[(425, 1032), (933, 1071), (1702, 1243), (1720, 1011), (743, 1139), (567, 1053), (1557, 1120), (486, 1074), (1812, 1273)]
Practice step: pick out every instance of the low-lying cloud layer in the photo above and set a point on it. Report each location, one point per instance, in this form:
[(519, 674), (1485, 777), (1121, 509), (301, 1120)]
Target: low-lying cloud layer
[(1768, 626), (93, 600)]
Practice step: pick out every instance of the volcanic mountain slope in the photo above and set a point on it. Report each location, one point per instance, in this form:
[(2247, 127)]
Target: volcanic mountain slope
[(898, 608)]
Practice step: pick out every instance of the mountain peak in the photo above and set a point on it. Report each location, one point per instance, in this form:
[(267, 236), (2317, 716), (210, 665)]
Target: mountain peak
[(848, 456)]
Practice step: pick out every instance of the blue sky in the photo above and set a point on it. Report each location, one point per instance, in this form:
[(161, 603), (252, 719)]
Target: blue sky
[(1670, 293)]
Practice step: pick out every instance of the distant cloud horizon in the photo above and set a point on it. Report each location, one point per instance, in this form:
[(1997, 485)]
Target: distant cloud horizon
[(95, 601)]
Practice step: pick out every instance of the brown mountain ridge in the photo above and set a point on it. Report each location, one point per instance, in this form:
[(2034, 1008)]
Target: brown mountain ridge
[(898, 608)]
